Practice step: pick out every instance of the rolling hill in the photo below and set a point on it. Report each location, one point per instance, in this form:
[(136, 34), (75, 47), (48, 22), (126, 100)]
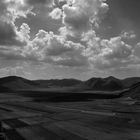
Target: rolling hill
[(127, 82), (93, 84), (105, 84), (133, 92), (18, 83)]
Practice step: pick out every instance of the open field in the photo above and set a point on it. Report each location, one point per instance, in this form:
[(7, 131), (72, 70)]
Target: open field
[(68, 96), (99, 119)]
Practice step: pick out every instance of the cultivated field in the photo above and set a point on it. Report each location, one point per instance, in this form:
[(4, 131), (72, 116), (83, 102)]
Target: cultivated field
[(98, 119)]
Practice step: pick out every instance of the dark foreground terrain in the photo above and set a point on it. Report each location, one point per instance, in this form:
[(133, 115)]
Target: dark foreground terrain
[(26, 118), (69, 109)]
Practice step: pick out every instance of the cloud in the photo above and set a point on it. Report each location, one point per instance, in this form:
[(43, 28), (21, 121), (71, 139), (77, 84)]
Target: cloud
[(24, 32), (8, 35), (10, 71), (116, 48), (50, 48), (92, 43), (80, 15), (79, 18), (138, 45), (114, 53), (128, 35), (59, 3), (93, 52), (36, 2), (14, 9), (11, 36), (56, 13), (10, 10), (47, 48)]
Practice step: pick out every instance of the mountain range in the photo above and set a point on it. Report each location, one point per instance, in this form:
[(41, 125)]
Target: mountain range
[(96, 84)]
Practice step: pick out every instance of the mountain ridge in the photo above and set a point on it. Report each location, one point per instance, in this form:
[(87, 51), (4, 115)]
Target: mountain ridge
[(95, 83), (15, 82)]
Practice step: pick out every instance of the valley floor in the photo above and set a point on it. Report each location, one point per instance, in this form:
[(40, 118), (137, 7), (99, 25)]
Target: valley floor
[(112, 119)]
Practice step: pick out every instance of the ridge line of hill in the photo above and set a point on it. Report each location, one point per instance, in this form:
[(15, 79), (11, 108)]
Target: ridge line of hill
[(103, 84)]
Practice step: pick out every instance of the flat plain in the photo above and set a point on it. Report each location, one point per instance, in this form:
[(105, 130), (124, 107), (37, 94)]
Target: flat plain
[(23, 118)]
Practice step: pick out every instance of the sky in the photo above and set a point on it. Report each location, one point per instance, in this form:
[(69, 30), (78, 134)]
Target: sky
[(49, 39)]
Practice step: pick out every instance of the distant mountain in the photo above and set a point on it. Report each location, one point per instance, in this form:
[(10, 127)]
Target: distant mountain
[(130, 81), (105, 84), (18, 83), (15, 83), (96, 84)]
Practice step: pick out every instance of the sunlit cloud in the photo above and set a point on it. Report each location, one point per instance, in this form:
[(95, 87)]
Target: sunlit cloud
[(74, 43)]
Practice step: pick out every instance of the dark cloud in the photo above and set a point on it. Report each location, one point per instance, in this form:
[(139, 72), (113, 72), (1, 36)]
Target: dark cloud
[(34, 2), (8, 35), (59, 3)]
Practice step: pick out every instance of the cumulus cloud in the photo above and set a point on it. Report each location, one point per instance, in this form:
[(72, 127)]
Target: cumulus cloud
[(8, 35), (80, 15), (24, 32), (54, 49), (56, 13), (113, 53), (11, 36), (10, 10), (59, 3), (108, 53), (15, 9), (12, 39), (97, 53), (47, 47), (92, 42), (79, 18), (128, 35), (115, 47)]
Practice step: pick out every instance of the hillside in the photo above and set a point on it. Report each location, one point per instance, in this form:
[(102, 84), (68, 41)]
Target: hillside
[(93, 84), (18, 83), (105, 84), (15, 83), (127, 82), (133, 92)]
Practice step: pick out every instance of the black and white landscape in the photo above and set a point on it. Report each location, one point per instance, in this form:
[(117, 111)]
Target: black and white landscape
[(99, 108), (69, 70)]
